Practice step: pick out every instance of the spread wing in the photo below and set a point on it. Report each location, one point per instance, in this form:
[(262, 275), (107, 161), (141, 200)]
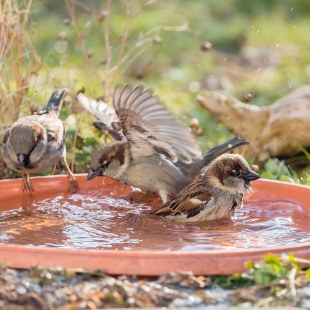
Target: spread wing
[(103, 112), (189, 202), (147, 123)]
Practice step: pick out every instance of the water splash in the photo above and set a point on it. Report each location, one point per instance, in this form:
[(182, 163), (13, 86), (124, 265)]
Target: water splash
[(97, 221)]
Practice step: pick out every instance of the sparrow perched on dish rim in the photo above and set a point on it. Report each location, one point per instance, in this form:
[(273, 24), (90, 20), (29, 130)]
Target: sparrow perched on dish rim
[(152, 150), (215, 194), (36, 142)]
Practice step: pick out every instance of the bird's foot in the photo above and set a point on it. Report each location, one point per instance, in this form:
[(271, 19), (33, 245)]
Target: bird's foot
[(73, 186)]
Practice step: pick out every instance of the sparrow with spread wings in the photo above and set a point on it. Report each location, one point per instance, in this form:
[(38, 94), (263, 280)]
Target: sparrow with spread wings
[(215, 194), (152, 150), (37, 142)]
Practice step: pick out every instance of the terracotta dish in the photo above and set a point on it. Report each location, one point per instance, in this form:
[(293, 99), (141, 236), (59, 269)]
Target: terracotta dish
[(142, 262)]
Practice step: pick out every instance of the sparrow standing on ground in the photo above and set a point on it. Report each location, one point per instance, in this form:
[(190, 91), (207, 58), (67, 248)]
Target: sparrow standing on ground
[(36, 142), (152, 151), (215, 194)]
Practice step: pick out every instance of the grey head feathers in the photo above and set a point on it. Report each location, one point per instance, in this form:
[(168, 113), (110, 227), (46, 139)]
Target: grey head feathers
[(24, 137), (56, 100), (102, 158)]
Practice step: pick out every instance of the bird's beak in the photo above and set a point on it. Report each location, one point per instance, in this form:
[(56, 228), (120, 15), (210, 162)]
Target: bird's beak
[(92, 174), (251, 176), (22, 159), (96, 173)]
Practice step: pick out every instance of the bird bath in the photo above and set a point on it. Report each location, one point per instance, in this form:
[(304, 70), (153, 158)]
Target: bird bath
[(98, 227)]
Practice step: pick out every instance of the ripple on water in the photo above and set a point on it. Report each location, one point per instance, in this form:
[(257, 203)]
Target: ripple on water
[(102, 222)]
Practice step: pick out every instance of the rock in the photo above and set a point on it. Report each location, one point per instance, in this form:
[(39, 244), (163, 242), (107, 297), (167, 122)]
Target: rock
[(276, 130)]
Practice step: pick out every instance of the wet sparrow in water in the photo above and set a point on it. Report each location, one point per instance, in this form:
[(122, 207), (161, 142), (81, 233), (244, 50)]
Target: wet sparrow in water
[(153, 151), (215, 194), (36, 142)]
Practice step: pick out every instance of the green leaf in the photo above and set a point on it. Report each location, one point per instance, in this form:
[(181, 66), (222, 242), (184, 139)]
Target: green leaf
[(305, 152), (270, 258), (250, 265), (291, 257), (262, 278)]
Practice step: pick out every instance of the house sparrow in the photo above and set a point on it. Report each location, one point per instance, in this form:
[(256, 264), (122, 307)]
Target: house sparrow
[(152, 151), (215, 194), (36, 142)]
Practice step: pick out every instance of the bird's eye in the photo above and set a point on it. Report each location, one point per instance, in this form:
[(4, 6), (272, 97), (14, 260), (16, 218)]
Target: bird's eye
[(51, 136), (104, 165), (236, 173)]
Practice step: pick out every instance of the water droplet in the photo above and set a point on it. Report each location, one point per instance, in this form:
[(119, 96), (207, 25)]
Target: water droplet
[(248, 97), (206, 46), (194, 86)]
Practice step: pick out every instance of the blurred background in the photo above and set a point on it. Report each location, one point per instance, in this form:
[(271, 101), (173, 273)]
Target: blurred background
[(255, 51)]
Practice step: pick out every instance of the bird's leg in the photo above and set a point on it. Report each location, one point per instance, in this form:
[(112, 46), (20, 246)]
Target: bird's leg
[(27, 205), (73, 186), (27, 185)]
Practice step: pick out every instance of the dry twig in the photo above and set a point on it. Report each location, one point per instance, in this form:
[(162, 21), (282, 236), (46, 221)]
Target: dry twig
[(18, 58)]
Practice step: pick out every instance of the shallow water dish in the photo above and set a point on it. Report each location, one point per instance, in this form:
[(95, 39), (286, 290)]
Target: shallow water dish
[(98, 228)]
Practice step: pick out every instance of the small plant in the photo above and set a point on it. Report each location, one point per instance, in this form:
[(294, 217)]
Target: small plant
[(276, 169), (272, 281)]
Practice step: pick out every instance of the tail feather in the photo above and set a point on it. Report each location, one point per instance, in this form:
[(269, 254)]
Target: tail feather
[(56, 100), (164, 210), (223, 148)]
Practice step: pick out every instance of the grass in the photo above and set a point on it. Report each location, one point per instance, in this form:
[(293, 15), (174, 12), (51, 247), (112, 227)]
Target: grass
[(158, 44)]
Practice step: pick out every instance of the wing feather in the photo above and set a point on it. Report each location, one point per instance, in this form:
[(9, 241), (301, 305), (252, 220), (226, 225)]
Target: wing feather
[(99, 109), (194, 197), (145, 121)]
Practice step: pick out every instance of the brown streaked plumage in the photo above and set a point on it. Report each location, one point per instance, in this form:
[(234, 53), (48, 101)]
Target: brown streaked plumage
[(215, 194), (36, 142), (157, 153)]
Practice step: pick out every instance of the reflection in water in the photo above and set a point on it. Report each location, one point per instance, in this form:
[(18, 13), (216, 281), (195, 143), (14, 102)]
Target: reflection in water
[(94, 220)]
